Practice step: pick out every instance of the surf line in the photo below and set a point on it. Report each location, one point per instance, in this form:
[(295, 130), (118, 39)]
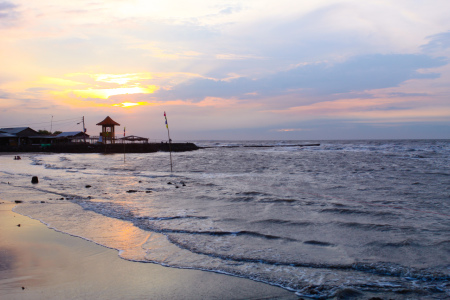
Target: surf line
[(376, 204)]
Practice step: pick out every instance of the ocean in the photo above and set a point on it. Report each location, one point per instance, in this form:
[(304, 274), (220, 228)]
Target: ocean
[(361, 217)]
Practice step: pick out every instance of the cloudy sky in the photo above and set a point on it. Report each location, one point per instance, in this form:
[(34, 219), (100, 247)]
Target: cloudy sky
[(243, 69)]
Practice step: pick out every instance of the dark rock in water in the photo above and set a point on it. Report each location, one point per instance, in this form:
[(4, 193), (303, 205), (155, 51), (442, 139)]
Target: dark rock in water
[(169, 182), (42, 201), (61, 198), (318, 243), (131, 191), (18, 201), (18, 225), (140, 181), (176, 186), (88, 186), (148, 192), (348, 293), (34, 179)]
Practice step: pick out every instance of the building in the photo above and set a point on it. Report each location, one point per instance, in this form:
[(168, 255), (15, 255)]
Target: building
[(72, 137), (18, 136)]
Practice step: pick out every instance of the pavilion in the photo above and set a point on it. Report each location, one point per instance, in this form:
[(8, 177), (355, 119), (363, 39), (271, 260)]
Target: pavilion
[(108, 132)]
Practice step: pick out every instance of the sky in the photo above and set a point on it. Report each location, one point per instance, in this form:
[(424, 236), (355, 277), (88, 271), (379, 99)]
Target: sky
[(228, 70)]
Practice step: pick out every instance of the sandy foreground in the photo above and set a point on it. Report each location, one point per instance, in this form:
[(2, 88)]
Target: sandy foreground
[(39, 263)]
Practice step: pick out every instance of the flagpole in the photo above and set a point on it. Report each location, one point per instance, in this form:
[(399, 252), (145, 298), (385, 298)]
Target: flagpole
[(84, 131), (170, 142)]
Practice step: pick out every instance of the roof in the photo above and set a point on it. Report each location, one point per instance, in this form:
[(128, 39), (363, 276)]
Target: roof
[(108, 121), (134, 138), (69, 134), (6, 135), (20, 131), (13, 130)]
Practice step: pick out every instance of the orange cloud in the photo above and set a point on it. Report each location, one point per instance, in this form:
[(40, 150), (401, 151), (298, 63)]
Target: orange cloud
[(56, 81), (106, 93), (400, 109)]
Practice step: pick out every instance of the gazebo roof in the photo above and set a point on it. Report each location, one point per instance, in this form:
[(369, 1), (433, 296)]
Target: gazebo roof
[(133, 138), (108, 121)]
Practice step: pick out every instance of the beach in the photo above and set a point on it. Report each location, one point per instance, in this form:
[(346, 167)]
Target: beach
[(40, 263)]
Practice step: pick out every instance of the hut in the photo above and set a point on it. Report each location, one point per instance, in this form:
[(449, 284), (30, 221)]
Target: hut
[(17, 136), (108, 132)]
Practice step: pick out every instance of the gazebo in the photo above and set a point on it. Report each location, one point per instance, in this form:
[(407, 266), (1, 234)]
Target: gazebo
[(108, 133), (134, 139)]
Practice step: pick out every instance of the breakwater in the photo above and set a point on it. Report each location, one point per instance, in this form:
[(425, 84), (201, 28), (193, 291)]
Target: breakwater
[(102, 148)]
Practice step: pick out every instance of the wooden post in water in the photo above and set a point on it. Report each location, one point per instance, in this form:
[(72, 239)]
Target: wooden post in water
[(123, 141), (170, 142)]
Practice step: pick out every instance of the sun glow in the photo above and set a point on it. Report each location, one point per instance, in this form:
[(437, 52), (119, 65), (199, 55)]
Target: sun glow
[(130, 104)]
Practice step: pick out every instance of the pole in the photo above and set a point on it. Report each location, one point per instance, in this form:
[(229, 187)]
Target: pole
[(51, 126), (170, 142), (84, 131), (123, 141)]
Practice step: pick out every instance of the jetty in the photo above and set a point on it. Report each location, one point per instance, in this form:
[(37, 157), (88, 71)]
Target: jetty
[(26, 139), (265, 146), (102, 148)]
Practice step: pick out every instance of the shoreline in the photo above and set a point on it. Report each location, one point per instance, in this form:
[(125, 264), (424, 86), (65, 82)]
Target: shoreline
[(53, 265)]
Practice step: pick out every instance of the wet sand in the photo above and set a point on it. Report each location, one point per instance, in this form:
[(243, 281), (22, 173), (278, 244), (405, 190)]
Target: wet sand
[(39, 263)]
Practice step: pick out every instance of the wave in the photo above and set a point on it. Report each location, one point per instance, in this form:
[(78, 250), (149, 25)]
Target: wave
[(400, 244), (377, 227), (379, 268), (285, 222), (272, 200), (357, 212), (246, 233), (170, 218)]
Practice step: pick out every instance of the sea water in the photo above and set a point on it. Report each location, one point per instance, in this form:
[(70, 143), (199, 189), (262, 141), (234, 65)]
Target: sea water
[(370, 217)]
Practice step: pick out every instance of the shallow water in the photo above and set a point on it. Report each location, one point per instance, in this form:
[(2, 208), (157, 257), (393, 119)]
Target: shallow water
[(369, 216)]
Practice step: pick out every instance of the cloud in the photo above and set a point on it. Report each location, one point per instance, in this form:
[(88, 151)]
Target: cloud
[(198, 89), (8, 14), (5, 95), (229, 10), (231, 56), (358, 73), (290, 129), (437, 42)]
